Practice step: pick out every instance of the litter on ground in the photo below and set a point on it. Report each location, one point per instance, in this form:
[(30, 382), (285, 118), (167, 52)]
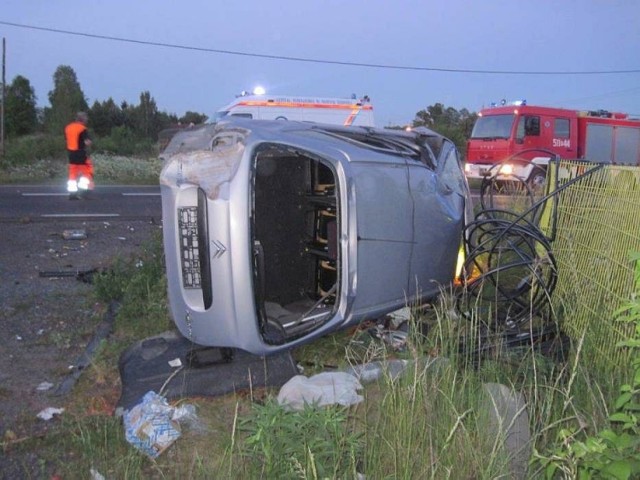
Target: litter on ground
[(326, 388), (153, 425), (49, 412)]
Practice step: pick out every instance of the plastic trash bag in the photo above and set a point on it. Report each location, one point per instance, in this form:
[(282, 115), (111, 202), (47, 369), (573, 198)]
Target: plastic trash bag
[(150, 427), (49, 412), (327, 388), (370, 372)]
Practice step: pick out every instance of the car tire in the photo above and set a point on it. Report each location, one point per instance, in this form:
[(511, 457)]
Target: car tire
[(538, 179)]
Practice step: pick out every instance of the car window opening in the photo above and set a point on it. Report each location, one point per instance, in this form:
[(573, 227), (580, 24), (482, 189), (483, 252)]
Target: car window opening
[(296, 257)]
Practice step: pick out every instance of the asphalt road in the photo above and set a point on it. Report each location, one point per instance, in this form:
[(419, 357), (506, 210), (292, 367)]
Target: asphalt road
[(47, 202), (50, 202)]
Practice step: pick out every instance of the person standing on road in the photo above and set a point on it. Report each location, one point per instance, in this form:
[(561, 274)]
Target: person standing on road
[(80, 165)]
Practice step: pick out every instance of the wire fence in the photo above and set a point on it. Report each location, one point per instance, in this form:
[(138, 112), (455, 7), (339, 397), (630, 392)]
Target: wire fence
[(594, 225)]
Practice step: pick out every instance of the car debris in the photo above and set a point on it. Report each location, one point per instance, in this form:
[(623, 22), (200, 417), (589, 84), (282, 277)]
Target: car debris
[(277, 233), (172, 365), (44, 386), (76, 234), (49, 412), (85, 276)]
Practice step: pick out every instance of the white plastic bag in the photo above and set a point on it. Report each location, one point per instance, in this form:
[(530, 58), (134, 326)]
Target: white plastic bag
[(327, 388), (149, 425)]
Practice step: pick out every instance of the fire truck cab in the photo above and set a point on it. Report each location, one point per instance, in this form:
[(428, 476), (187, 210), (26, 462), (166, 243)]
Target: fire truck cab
[(526, 132), (336, 111)]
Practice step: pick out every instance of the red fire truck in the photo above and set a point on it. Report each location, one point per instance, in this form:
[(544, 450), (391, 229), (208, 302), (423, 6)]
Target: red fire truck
[(502, 132)]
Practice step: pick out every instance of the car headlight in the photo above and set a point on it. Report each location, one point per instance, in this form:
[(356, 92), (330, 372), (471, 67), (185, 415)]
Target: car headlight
[(506, 169)]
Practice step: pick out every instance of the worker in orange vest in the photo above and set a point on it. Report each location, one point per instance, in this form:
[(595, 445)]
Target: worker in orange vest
[(80, 165)]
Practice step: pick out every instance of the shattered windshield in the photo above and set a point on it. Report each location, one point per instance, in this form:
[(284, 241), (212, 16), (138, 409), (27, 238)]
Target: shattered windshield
[(493, 126), (189, 139)]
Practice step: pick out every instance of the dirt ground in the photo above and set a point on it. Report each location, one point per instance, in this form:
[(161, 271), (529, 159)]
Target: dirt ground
[(47, 320)]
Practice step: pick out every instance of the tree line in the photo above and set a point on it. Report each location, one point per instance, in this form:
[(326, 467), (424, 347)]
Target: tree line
[(125, 128), (454, 124), (122, 128)]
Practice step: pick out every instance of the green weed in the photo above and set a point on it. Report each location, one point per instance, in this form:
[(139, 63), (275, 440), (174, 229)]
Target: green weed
[(614, 451), (312, 443)]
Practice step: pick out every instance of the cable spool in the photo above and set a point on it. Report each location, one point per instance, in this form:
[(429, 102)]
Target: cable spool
[(514, 271), (510, 271)]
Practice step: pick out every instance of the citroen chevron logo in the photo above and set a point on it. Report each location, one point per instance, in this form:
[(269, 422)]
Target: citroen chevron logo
[(218, 248)]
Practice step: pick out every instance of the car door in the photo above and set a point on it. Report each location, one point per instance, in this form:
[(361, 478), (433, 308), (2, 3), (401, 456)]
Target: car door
[(439, 202), (384, 227)]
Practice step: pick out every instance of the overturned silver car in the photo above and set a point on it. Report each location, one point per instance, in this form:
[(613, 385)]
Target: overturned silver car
[(276, 233)]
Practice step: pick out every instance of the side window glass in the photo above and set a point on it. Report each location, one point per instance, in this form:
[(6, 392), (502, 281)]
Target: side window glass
[(451, 172), (520, 130), (532, 126), (561, 128)]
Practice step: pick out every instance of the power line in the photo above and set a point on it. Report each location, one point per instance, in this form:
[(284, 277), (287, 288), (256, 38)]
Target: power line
[(320, 61), (603, 95)]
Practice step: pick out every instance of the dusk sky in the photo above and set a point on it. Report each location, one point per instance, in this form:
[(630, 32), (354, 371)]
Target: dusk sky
[(544, 38)]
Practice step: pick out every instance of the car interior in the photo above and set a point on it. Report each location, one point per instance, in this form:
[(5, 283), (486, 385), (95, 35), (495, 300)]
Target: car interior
[(295, 225)]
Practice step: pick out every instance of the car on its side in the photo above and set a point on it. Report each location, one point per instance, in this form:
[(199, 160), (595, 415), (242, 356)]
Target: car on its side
[(277, 233)]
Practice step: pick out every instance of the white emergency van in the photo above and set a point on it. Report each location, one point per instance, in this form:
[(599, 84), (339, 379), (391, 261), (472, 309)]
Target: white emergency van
[(336, 111)]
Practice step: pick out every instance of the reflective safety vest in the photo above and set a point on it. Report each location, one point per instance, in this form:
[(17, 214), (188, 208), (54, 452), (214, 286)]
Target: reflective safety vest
[(73, 134)]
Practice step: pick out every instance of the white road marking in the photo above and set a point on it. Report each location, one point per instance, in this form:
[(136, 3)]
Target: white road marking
[(56, 215), (45, 194), (134, 194), (141, 194)]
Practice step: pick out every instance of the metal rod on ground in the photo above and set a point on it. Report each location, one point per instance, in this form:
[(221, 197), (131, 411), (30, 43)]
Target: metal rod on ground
[(83, 275), (84, 360), (57, 274)]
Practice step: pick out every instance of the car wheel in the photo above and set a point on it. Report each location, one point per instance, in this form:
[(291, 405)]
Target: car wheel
[(538, 180)]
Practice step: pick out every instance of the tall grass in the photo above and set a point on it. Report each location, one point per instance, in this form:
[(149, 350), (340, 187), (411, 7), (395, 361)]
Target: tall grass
[(138, 285), (429, 423), (312, 443)]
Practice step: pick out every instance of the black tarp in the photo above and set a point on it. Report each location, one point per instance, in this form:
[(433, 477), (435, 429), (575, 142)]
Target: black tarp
[(205, 372)]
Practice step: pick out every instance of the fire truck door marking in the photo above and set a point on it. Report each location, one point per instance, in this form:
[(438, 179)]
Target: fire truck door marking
[(562, 142)]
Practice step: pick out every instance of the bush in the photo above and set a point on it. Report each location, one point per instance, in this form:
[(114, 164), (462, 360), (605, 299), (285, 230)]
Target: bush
[(122, 141), (126, 170), (28, 149)]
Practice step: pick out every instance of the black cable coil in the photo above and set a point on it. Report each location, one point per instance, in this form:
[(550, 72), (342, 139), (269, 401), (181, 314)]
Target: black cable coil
[(510, 271)]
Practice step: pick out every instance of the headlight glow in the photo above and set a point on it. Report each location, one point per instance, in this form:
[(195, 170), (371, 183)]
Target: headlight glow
[(506, 169)]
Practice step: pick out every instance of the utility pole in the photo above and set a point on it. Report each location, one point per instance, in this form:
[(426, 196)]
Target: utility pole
[(4, 53)]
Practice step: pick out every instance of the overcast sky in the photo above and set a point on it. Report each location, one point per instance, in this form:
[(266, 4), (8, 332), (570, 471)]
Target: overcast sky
[(415, 35)]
